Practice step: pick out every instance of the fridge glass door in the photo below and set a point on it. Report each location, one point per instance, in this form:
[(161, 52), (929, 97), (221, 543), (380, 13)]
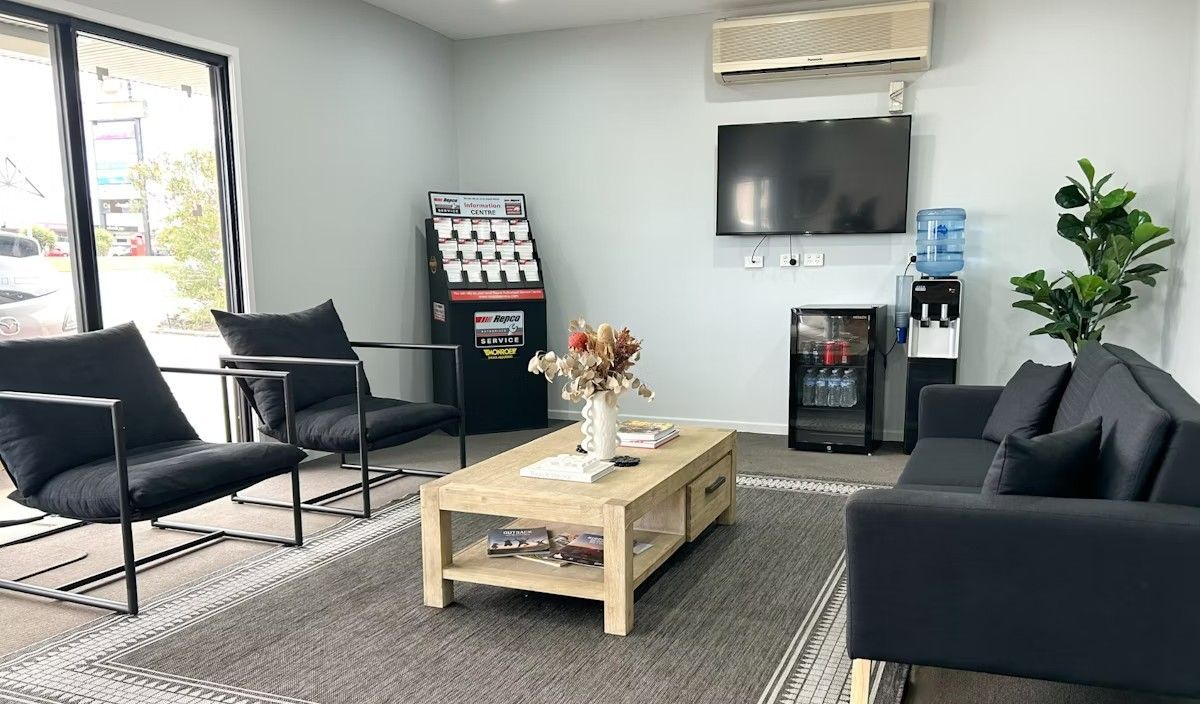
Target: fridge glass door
[(830, 352)]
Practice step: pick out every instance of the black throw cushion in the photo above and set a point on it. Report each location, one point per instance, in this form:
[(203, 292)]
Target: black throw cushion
[(163, 479), (1135, 433), (332, 425), (317, 332), (1028, 403), (1062, 464), (39, 441), (1093, 361)]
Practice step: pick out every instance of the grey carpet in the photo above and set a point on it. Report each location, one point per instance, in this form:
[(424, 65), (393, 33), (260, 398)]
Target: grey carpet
[(711, 627)]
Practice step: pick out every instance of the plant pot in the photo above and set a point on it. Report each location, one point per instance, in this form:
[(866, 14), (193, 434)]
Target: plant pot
[(600, 425)]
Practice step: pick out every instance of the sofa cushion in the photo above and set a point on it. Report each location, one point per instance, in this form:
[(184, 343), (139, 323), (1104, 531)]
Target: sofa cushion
[(956, 462), (316, 332), (332, 425), (1028, 403), (1091, 364), (1056, 464), (38, 441), (1178, 477), (163, 478), (1135, 430)]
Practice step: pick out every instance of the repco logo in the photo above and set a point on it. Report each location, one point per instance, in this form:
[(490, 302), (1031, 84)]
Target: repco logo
[(498, 319)]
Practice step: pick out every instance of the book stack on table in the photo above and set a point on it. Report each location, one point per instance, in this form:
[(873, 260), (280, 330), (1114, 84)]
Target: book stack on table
[(646, 434)]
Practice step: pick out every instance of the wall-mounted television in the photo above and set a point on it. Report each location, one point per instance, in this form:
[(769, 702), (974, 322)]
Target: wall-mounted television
[(814, 178)]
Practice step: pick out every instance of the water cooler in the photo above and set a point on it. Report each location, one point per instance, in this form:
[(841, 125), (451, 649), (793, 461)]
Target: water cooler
[(934, 310)]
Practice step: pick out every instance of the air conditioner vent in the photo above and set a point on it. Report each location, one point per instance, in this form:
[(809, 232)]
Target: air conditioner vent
[(875, 35)]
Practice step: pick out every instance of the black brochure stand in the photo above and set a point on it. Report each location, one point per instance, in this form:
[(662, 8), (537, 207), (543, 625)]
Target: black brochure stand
[(499, 317)]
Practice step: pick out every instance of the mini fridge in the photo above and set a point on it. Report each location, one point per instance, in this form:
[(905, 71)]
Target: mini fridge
[(835, 389)]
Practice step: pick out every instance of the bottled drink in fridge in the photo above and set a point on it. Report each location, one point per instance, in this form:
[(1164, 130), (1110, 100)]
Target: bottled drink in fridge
[(850, 382), (809, 393), (837, 393), (821, 392)]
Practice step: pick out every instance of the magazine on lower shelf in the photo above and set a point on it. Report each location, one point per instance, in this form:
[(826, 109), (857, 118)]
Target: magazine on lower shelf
[(588, 549), (504, 542)]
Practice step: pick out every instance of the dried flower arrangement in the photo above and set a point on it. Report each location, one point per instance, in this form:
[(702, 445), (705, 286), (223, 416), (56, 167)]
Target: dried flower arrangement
[(597, 360)]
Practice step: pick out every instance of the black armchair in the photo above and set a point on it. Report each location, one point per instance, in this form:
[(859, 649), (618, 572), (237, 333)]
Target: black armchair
[(146, 463), (336, 411)]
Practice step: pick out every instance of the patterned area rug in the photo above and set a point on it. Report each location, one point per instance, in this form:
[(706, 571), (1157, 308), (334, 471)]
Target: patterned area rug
[(340, 621)]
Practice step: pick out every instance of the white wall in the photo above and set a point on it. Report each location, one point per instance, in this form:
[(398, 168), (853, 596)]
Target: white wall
[(1181, 334), (347, 121), (611, 132)]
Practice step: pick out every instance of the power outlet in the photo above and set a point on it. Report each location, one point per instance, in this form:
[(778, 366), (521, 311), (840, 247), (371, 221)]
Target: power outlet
[(789, 260), (755, 262), (815, 259)]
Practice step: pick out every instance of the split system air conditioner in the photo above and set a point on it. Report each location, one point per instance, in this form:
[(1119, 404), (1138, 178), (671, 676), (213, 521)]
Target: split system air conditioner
[(883, 38)]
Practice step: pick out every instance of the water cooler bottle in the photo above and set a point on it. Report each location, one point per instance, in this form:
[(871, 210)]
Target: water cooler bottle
[(934, 309)]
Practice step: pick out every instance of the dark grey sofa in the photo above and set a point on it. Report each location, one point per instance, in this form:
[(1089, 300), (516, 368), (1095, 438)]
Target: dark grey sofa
[(1101, 591)]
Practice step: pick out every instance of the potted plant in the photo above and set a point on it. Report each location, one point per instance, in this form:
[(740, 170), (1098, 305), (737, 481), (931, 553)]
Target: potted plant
[(597, 367), (1112, 237)]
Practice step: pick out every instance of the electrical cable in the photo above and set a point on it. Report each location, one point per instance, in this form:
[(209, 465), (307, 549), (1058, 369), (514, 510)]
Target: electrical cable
[(755, 250)]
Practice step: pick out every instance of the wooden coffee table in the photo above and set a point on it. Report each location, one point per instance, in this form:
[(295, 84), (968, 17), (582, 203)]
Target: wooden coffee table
[(670, 498)]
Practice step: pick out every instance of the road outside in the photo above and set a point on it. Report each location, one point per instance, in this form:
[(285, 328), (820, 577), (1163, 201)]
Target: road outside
[(138, 289)]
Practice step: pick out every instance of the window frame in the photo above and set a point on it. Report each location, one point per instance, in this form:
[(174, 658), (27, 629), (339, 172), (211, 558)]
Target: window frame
[(64, 31)]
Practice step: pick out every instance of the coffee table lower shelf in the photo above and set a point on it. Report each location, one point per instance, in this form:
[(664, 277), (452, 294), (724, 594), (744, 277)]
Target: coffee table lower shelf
[(472, 564)]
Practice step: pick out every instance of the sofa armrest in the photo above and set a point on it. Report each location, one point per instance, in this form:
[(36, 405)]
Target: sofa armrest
[(1076, 590), (953, 411)]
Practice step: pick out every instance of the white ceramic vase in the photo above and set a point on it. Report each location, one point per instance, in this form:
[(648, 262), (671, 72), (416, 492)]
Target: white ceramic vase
[(600, 425)]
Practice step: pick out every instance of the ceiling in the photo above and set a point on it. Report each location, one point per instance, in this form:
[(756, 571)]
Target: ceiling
[(469, 19)]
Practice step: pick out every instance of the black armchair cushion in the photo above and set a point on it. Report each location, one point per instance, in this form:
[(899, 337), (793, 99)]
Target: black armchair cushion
[(1135, 432), (1028, 403), (163, 479), (1059, 464), (332, 425), (38, 441), (1090, 366), (317, 332), (948, 462)]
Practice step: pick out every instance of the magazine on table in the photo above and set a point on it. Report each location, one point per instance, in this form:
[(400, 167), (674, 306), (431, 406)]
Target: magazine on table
[(588, 549), (503, 542), (644, 430)]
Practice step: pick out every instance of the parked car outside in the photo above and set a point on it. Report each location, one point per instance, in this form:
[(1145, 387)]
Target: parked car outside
[(33, 302)]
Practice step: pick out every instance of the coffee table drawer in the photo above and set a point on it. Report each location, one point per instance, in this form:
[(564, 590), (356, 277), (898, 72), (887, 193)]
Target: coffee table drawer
[(709, 495)]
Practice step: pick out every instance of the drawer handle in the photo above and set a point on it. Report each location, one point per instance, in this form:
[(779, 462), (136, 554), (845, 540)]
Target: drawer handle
[(715, 485)]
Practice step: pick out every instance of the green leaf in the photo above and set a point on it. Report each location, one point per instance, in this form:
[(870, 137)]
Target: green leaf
[(1120, 307), (1071, 227), (1121, 247), (1103, 180), (1034, 308), (1088, 169), (1147, 231), (1113, 199), (1146, 270), (1071, 196), (1089, 286), (1161, 244)]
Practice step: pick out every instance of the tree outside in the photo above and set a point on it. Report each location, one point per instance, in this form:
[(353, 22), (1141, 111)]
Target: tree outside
[(104, 241), (44, 235), (187, 186)]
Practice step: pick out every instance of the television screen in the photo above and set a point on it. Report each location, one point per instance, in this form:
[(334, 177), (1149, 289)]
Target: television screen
[(810, 178)]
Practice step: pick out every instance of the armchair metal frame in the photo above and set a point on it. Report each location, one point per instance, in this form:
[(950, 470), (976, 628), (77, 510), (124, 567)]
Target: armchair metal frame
[(319, 504), (69, 591)]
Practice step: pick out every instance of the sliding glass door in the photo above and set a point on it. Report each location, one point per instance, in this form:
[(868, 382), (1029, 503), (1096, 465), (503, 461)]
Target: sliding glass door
[(37, 293), (116, 192)]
